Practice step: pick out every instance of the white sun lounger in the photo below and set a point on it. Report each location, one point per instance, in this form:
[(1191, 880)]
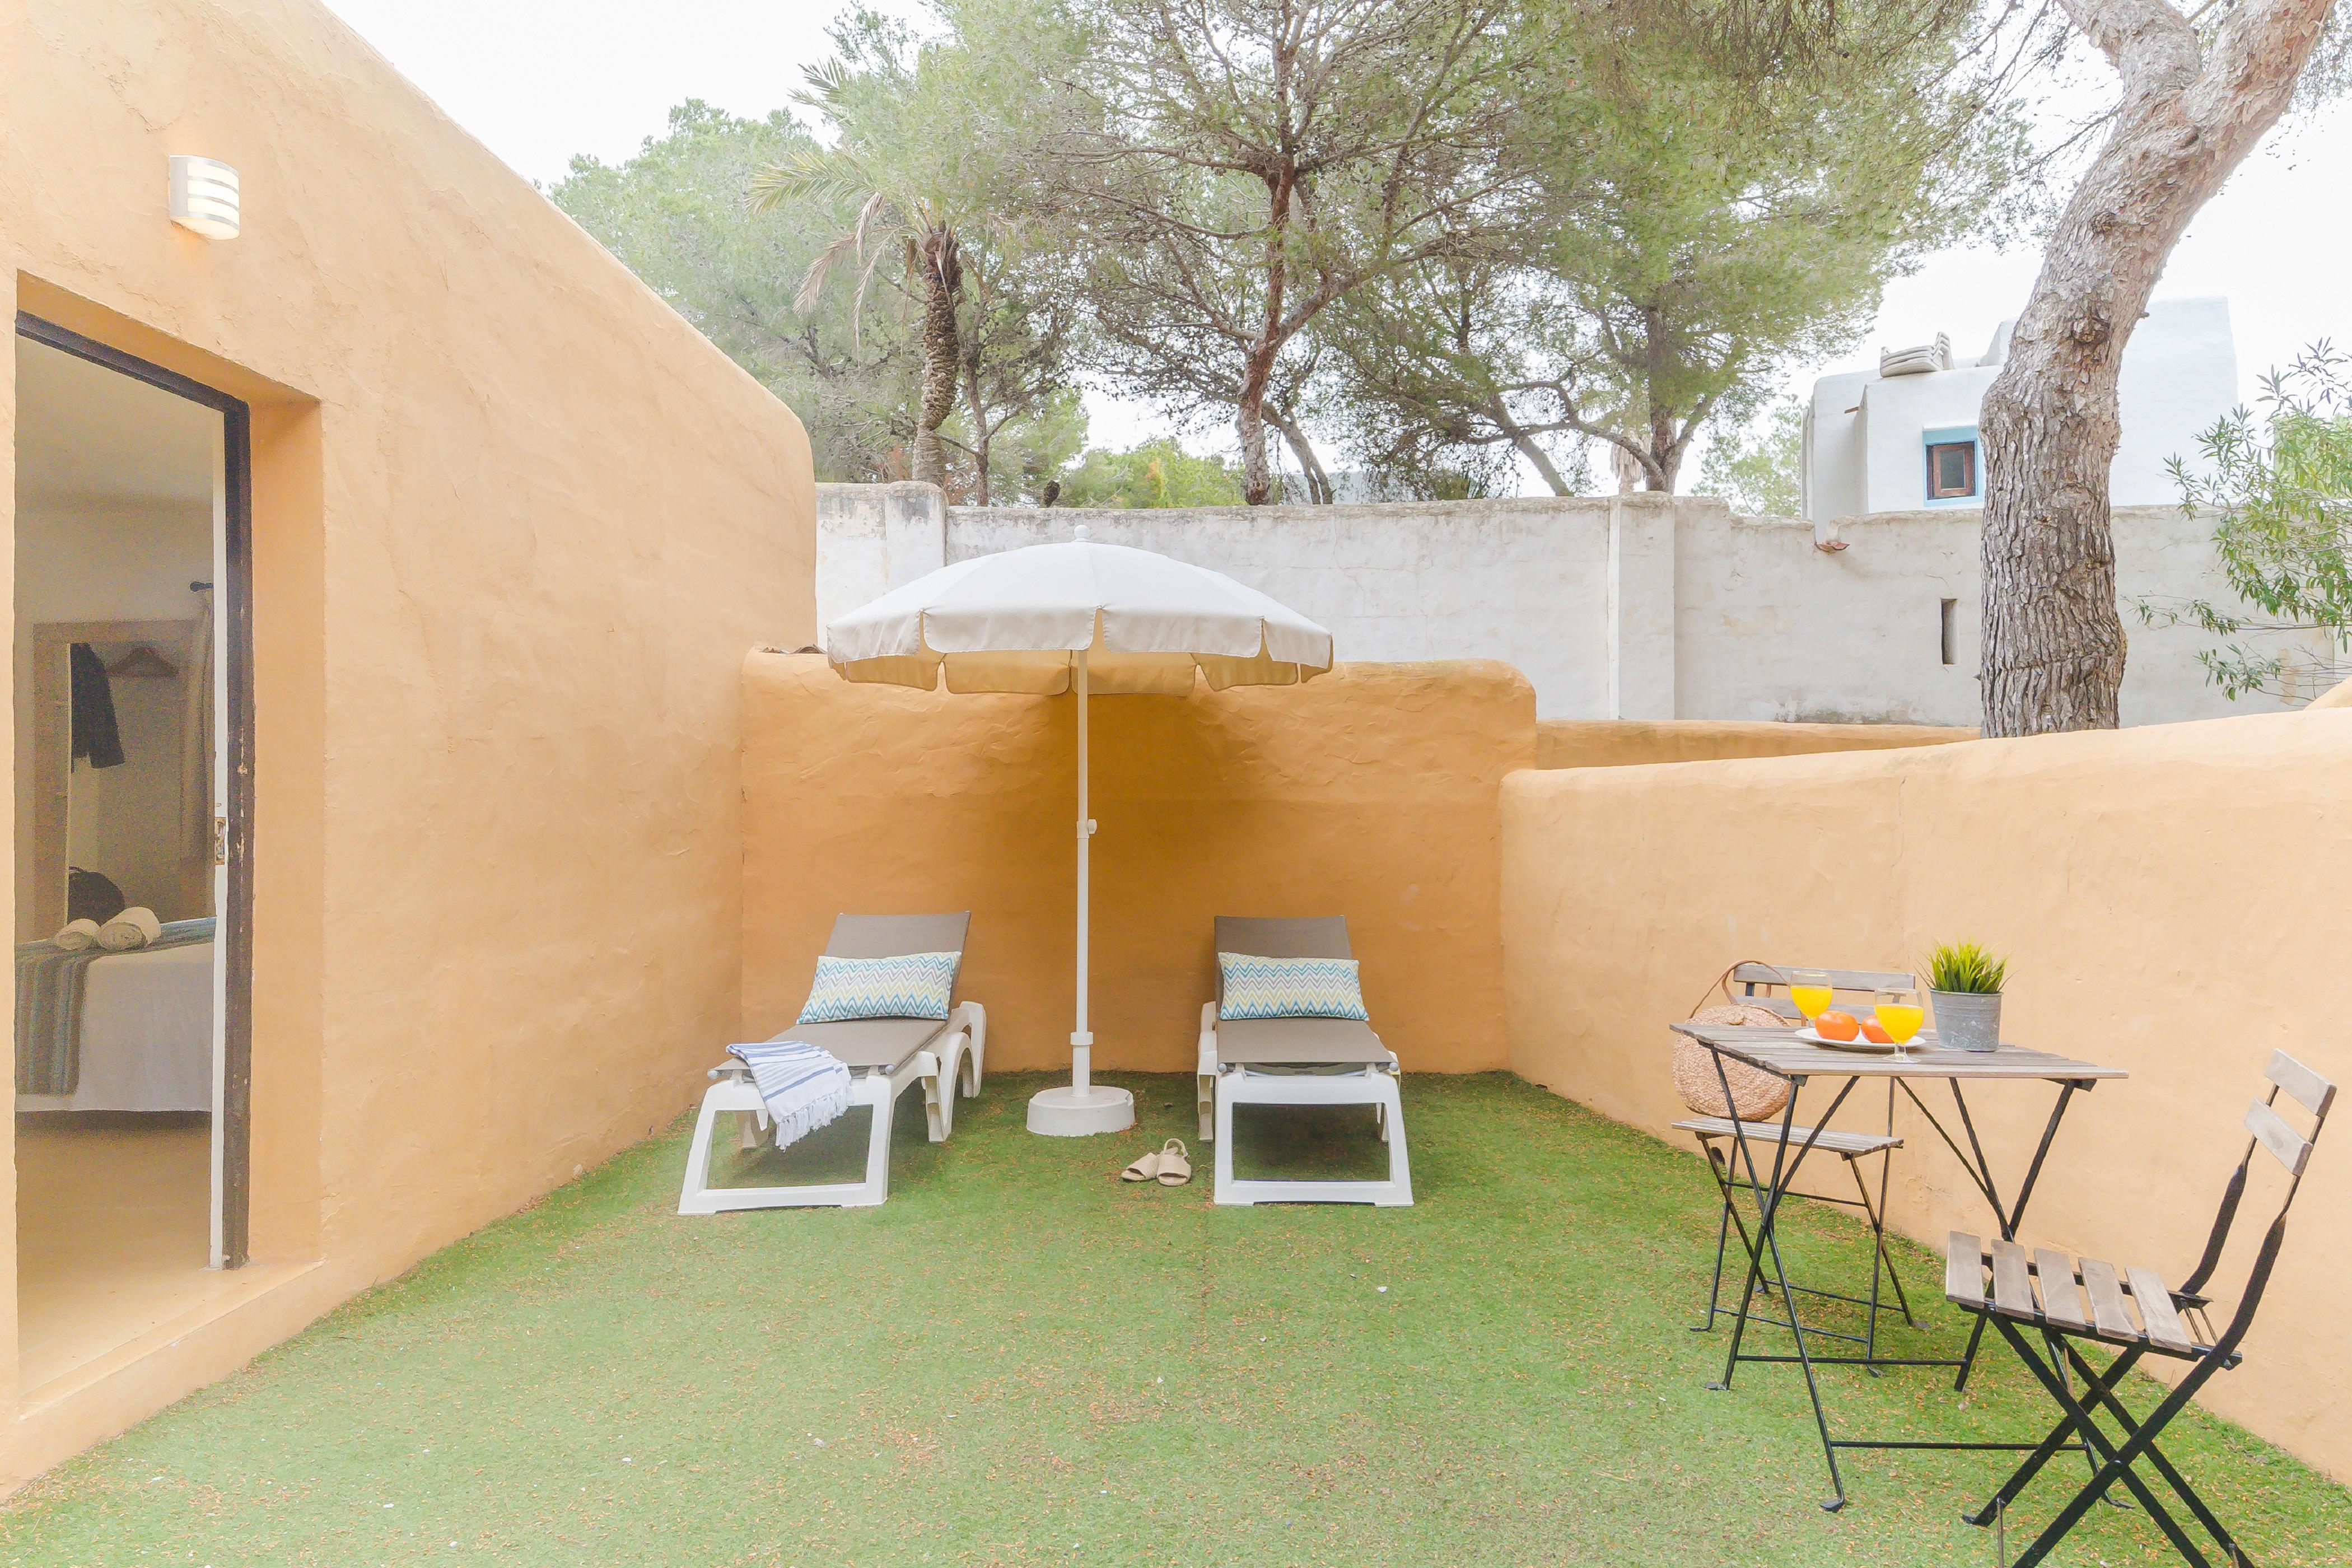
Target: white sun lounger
[(885, 1057), (1295, 1061)]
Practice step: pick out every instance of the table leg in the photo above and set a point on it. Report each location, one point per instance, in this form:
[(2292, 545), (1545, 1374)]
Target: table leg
[(1784, 1176), (2008, 1218), (1767, 1200)]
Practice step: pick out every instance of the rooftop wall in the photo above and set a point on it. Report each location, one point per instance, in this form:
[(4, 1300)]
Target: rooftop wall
[(1640, 607), (1370, 793), (2168, 898), (515, 525)]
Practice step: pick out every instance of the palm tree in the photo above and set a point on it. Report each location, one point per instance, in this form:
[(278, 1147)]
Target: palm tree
[(892, 219)]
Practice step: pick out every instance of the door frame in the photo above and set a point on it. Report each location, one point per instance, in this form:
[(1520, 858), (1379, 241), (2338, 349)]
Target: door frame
[(233, 628)]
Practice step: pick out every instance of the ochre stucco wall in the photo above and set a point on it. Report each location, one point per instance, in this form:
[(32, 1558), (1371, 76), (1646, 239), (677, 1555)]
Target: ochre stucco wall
[(2172, 899), (1370, 793), (515, 525), (1622, 743)]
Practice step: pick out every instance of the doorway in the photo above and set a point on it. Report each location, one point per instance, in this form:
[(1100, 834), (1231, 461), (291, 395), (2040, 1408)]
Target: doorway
[(133, 903)]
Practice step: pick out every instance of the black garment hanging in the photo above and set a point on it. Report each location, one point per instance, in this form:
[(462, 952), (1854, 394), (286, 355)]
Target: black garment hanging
[(92, 896), (95, 735)]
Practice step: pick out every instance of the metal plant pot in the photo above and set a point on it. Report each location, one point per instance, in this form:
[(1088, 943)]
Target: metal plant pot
[(1968, 1020)]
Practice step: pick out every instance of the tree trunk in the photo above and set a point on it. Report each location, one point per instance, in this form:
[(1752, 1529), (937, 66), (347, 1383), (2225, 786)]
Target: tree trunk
[(2053, 642), (1664, 458), (981, 433), (1310, 466), (1526, 446), (1249, 423), (942, 279), (1257, 481)]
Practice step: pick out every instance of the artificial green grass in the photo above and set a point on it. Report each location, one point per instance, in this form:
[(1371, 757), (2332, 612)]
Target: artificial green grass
[(1020, 1360)]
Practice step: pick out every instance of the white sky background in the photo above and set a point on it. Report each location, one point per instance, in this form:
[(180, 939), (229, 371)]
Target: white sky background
[(538, 81)]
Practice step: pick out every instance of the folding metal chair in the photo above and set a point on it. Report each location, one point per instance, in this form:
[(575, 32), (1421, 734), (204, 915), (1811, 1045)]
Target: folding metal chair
[(2170, 1323), (1718, 1140)]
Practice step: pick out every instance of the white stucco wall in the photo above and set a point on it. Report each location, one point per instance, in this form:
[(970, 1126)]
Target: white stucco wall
[(1634, 607), (1863, 431)]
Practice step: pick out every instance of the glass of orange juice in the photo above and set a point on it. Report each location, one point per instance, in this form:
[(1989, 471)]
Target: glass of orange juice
[(1809, 992), (1900, 1014)]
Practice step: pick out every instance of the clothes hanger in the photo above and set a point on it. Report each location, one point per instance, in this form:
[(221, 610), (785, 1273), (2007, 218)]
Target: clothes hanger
[(142, 661)]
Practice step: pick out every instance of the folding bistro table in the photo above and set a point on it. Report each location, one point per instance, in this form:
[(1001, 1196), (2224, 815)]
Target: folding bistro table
[(1781, 1053)]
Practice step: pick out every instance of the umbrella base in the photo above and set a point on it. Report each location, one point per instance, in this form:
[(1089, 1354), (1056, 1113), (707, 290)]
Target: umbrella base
[(1068, 1112)]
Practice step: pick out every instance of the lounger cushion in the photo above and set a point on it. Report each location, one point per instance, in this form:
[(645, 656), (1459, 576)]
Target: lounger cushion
[(1250, 986), (1299, 1042), (907, 985), (1312, 936), (869, 1042)]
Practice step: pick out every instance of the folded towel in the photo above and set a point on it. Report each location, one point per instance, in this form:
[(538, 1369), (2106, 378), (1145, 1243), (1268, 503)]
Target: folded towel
[(804, 1087), (133, 928), (77, 936)]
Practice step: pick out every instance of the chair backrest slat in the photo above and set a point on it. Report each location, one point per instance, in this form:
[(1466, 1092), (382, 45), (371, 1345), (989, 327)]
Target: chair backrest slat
[(1840, 979), (2310, 1090), (2270, 1130)]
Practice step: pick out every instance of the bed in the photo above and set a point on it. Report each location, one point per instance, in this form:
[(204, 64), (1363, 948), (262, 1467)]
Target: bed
[(145, 1036)]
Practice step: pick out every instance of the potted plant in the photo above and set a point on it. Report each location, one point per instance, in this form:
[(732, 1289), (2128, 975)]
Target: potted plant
[(1965, 980)]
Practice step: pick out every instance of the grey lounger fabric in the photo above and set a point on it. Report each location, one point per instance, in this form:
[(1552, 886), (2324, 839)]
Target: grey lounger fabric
[(1319, 936), (1291, 1042), (887, 936), (1298, 1042), (883, 1042), (869, 1042)]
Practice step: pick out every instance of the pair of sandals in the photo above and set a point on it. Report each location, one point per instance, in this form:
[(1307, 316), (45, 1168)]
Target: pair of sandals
[(1170, 1165)]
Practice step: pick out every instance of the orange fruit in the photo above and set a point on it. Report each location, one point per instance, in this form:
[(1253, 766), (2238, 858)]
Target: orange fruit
[(1875, 1035), (1836, 1025)]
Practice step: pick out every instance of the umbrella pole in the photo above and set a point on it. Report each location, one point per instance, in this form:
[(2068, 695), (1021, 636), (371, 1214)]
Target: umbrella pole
[(1081, 1109), (1081, 1040)]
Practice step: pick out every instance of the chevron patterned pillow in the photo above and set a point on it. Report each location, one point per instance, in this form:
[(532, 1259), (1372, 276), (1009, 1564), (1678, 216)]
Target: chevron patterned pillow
[(1290, 988), (911, 985)]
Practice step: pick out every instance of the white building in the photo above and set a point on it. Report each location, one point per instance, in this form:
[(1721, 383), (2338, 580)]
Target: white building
[(1640, 607), (1887, 443)]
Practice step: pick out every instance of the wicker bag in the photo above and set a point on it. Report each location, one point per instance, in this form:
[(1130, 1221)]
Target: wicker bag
[(1755, 1093)]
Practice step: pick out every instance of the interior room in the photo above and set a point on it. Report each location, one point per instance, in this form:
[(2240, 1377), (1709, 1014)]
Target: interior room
[(119, 492)]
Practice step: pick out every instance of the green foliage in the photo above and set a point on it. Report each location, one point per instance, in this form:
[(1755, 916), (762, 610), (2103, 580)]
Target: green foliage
[(1964, 966), (740, 224), (1759, 470), (1719, 197), (2279, 489), (676, 214), (1463, 234), (1220, 175), (1155, 474), (919, 159)]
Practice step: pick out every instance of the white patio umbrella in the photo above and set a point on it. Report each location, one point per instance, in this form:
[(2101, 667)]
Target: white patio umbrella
[(1093, 618)]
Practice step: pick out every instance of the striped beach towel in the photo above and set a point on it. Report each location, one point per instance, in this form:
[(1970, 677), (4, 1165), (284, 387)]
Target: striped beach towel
[(804, 1087)]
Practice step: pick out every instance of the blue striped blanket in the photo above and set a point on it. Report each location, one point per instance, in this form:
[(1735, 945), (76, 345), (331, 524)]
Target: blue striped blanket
[(804, 1087), (51, 984)]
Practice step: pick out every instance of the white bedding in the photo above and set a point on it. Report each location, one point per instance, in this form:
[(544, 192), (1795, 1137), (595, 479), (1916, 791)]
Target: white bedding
[(146, 1035)]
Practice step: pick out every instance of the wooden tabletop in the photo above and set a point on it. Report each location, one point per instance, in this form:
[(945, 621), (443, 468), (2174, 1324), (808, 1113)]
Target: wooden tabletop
[(1779, 1051)]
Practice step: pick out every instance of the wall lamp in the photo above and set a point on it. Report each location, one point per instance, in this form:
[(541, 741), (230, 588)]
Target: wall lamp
[(204, 197)]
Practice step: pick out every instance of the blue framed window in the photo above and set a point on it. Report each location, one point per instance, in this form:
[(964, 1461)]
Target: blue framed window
[(1953, 476)]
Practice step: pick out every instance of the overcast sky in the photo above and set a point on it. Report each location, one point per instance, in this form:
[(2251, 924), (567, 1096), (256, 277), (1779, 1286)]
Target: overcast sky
[(539, 81)]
